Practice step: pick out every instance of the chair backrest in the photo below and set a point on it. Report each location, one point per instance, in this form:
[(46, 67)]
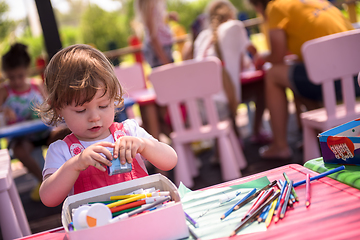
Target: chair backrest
[(330, 58), (187, 82), (131, 78)]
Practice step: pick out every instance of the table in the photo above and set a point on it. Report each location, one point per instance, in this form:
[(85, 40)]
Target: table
[(350, 176), (334, 212), (36, 125), (22, 128)]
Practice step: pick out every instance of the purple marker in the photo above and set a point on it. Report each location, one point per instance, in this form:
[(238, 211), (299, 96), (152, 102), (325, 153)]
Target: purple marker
[(192, 221)]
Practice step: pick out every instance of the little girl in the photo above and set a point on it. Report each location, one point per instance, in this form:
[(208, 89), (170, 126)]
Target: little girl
[(17, 97), (84, 92)]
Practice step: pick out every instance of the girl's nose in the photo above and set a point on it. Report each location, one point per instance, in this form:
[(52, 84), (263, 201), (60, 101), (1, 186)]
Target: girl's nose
[(94, 116)]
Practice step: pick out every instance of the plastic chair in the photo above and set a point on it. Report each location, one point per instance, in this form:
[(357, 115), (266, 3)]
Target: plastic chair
[(328, 59), (13, 219), (187, 82), (133, 81)]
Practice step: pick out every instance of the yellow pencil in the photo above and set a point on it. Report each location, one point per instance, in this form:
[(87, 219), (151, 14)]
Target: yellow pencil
[(138, 197), (271, 213), (120, 197)]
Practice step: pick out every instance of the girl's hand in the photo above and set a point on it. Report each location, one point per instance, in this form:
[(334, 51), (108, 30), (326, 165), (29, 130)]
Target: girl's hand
[(94, 156), (127, 147)]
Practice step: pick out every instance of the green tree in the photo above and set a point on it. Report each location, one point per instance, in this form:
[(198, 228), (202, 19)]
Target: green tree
[(102, 28), (6, 25)]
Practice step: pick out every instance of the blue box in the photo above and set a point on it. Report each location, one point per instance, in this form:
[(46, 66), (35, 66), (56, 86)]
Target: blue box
[(341, 145)]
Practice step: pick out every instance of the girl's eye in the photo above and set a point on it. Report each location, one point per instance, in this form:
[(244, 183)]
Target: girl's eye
[(104, 106), (80, 111)]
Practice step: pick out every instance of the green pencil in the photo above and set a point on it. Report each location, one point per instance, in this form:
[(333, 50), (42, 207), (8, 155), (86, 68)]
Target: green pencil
[(292, 189)]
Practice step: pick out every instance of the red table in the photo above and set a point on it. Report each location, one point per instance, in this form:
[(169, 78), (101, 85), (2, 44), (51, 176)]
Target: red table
[(334, 212)]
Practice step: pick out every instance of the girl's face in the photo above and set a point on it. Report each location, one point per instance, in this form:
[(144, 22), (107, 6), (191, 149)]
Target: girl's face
[(90, 121), (17, 78)]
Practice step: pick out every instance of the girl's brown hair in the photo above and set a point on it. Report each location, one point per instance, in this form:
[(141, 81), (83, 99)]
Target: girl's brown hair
[(74, 75)]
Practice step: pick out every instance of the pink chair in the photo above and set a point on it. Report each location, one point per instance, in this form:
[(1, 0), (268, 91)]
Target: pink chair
[(13, 220), (327, 59), (187, 82)]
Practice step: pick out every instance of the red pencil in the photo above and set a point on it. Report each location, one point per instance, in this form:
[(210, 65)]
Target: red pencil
[(308, 196), (262, 200), (257, 199), (132, 204)]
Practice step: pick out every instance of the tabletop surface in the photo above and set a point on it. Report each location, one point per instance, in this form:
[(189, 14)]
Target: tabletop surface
[(22, 128), (334, 212)]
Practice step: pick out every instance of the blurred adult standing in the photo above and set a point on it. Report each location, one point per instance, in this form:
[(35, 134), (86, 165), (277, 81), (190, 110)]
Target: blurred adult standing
[(158, 37), (291, 23)]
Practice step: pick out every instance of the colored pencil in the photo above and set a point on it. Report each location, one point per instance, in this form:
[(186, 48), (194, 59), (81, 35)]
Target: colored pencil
[(287, 196), (271, 212), (265, 196), (281, 194), (124, 211), (292, 189), (324, 174), (137, 197), (292, 198), (132, 204), (255, 195), (264, 214), (308, 195), (255, 214), (141, 209), (191, 220), (281, 203), (254, 203), (227, 213), (121, 197)]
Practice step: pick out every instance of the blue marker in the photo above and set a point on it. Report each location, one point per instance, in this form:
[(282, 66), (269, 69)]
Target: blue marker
[(324, 174), (240, 201)]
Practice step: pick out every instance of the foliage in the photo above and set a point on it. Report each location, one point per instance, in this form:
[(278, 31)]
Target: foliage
[(69, 35), (35, 44), (102, 28), (6, 25)]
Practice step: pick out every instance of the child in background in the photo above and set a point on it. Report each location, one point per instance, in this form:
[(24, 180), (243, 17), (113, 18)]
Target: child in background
[(84, 92), (17, 98), (234, 45), (158, 37)]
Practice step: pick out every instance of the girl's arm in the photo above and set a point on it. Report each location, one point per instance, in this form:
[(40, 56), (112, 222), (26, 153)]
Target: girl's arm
[(55, 187), (161, 155)]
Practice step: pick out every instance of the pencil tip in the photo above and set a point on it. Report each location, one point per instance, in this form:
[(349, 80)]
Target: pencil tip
[(307, 203), (222, 217), (232, 234)]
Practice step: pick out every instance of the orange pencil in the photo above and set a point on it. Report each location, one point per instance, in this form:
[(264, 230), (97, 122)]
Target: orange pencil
[(308, 196)]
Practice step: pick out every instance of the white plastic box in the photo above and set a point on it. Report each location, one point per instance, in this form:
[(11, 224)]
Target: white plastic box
[(164, 223)]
